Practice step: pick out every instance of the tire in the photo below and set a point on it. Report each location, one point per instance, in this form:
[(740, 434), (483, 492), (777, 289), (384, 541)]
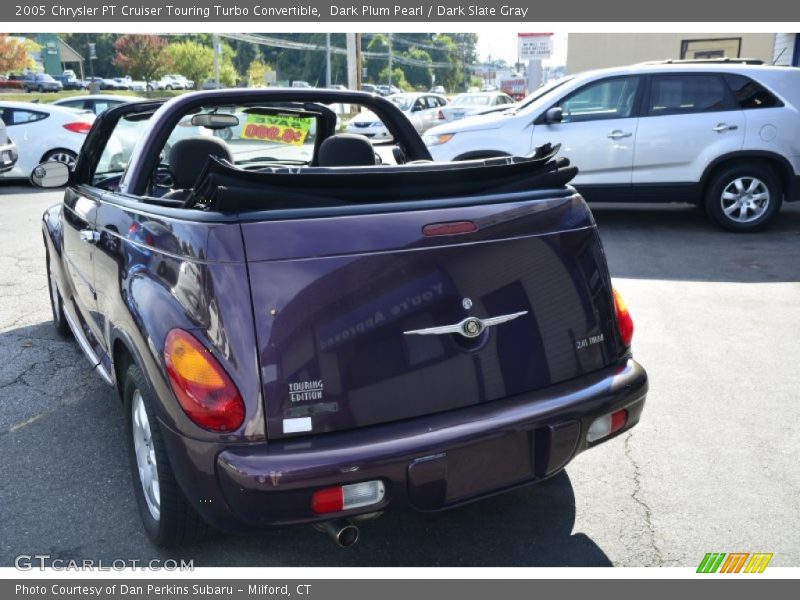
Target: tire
[(167, 515), (66, 156), (56, 303), (40, 89), (744, 197), (169, 87)]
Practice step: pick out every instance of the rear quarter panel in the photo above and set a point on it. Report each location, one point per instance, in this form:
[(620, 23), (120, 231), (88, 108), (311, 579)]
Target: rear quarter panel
[(154, 274)]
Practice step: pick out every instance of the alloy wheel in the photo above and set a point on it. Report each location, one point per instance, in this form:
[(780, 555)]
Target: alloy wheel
[(145, 456), (745, 199)]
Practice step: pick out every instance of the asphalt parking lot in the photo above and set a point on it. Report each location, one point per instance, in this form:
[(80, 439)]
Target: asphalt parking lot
[(713, 465)]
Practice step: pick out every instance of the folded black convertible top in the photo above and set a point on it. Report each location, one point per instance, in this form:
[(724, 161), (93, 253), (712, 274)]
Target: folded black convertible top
[(225, 188)]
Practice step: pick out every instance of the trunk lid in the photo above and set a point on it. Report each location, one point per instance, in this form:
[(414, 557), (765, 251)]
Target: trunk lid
[(336, 299)]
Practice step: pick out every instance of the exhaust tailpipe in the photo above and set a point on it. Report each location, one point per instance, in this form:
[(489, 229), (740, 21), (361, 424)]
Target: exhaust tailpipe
[(343, 532)]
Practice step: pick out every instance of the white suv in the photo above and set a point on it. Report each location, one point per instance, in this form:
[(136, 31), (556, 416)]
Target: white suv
[(723, 134)]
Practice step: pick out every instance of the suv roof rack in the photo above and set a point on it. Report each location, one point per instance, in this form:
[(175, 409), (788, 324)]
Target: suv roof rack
[(705, 61)]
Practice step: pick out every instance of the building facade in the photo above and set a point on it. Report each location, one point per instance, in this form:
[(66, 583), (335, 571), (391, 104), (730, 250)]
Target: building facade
[(600, 50)]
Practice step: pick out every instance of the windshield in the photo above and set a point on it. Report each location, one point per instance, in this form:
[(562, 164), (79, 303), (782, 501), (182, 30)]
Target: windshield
[(471, 100), (545, 89), (401, 101), (259, 137)]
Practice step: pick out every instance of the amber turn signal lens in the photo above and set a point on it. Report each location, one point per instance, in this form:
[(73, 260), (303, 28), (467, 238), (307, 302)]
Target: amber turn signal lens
[(203, 389), (624, 320)]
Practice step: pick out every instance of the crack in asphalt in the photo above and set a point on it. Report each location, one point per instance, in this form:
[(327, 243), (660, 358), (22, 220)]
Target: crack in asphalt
[(636, 496)]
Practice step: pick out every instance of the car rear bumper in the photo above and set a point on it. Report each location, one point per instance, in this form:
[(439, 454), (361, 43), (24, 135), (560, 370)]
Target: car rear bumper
[(428, 463)]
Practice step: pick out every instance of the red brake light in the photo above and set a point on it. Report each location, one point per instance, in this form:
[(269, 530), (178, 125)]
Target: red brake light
[(204, 391), (448, 228), (327, 500), (78, 127), (624, 320)]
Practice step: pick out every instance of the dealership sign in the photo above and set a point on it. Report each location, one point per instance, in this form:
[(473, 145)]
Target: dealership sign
[(534, 46)]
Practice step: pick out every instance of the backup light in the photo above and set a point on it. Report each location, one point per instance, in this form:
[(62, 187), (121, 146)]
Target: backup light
[(345, 497), (606, 425)]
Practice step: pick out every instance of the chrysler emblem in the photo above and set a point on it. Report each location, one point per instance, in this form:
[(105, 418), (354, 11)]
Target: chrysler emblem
[(471, 327)]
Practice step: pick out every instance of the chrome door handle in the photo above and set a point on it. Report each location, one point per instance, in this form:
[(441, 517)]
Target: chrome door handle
[(725, 127), (617, 134), (90, 236)]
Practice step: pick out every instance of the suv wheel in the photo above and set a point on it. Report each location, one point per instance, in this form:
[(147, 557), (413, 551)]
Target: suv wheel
[(166, 513), (744, 198)]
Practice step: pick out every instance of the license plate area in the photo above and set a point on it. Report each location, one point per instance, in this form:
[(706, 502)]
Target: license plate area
[(469, 471)]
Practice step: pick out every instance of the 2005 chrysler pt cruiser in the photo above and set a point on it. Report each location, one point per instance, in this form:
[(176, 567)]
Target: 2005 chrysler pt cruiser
[(302, 332)]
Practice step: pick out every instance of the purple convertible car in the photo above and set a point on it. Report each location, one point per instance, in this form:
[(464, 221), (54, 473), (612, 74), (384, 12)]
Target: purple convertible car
[(304, 327)]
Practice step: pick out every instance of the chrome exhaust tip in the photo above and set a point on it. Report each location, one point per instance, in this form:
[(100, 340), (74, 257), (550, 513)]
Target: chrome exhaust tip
[(343, 532)]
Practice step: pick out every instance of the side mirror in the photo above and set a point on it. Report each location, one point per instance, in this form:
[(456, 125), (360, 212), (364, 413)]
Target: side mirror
[(554, 115), (51, 174)]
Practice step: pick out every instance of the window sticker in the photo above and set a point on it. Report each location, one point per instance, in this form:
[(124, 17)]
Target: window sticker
[(278, 129)]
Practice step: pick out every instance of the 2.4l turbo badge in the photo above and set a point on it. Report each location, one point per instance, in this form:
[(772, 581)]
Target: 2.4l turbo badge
[(303, 391)]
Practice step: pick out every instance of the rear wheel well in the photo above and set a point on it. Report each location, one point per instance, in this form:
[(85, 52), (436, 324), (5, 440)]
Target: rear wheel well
[(122, 358), (781, 170), (41, 160)]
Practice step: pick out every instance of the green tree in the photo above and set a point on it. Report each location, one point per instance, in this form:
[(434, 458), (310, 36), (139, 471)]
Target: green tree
[(192, 60), (419, 76), (142, 56)]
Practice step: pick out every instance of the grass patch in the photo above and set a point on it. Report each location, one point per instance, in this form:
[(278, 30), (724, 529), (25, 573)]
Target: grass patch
[(45, 97)]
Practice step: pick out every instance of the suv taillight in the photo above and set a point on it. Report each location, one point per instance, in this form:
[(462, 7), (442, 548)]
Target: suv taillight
[(204, 390), (624, 320)]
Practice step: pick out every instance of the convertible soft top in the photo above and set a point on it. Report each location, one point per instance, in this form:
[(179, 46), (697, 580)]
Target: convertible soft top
[(225, 188)]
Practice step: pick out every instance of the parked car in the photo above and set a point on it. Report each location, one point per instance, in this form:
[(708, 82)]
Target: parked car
[(105, 83), (95, 103), (300, 84), (41, 82), (388, 90), (171, 82), (421, 109), (467, 104), (438, 89), (43, 132), (722, 135), (8, 150), (369, 88), (369, 352), (130, 84), (70, 82)]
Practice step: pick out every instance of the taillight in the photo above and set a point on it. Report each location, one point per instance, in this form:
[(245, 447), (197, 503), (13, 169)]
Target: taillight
[(345, 497), (78, 127), (440, 116), (624, 320), (204, 390), (606, 425)]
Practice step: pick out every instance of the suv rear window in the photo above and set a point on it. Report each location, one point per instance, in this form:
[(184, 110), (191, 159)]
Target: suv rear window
[(688, 93), (750, 94)]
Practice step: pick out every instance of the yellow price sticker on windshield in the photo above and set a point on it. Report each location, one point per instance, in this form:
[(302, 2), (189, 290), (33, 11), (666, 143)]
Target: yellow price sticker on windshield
[(278, 129)]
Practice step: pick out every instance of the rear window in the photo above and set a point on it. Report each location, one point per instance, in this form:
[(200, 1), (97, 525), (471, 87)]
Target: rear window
[(689, 93), (750, 94)]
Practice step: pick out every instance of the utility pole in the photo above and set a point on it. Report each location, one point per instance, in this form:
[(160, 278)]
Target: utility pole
[(390, 59), (352, 62), (217, 49), (327, 60), (358, 61)]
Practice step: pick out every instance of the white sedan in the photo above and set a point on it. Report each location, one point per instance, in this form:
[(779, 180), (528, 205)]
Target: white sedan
[(468, 104), (421, 109), (43, 132), (96, 103)]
